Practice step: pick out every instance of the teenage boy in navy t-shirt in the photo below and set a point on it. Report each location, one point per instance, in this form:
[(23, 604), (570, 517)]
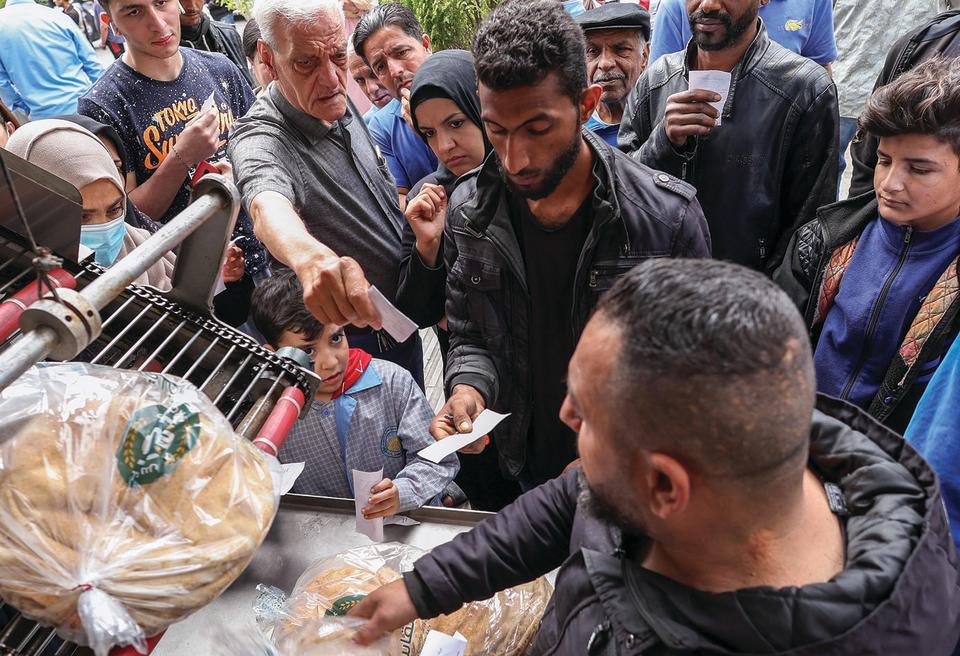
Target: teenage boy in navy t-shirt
[(152, 97)]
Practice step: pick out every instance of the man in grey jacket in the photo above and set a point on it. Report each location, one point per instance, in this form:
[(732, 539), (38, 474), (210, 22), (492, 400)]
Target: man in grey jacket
[(764, 161), (721, 508)]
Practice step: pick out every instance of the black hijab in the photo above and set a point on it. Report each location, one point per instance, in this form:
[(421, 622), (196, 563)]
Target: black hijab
[(448, 74), (102, 131)]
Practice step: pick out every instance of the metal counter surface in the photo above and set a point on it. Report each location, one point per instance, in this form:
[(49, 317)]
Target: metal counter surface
[(305, 530)]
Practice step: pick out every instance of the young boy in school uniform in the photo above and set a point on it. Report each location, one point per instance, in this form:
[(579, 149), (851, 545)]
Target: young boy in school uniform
[(367, 413)]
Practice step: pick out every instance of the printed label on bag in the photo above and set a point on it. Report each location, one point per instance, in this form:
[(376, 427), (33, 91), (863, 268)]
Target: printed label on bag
[(156, 439), (344, 605)]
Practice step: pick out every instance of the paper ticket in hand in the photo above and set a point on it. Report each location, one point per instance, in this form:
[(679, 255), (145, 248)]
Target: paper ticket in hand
[(208, 104), (395, 322), (362, 482), (441, 644), (716, 81), (485, 422)]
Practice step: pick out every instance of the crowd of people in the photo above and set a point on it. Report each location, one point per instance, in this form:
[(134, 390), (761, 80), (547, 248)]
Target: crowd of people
[(707, 356)]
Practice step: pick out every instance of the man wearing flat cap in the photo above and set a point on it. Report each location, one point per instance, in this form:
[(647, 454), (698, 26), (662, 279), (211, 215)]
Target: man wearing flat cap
[(617, 36)]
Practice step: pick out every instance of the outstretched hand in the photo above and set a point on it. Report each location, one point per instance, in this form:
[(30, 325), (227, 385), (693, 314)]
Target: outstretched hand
[(387, 608)]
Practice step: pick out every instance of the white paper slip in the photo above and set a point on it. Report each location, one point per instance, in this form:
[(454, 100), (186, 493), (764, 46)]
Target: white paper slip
[(362, 482), (485, 422), (716, 81), (441, 644), (395, 322), (208, 104)]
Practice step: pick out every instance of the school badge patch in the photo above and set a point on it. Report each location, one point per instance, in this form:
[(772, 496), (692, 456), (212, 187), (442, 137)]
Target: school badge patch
[(390, 444)]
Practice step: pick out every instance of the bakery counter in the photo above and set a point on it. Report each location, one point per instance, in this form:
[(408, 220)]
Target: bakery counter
[(306, 529)]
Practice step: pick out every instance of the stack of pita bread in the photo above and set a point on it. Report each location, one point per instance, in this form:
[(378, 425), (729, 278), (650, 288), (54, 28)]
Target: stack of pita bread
[(130, 484), (504, 625)]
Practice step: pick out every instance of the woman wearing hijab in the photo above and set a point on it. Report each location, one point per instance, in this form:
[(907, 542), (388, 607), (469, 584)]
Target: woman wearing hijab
[(78, 156), (445, 111), (75, 154), (111, 141)]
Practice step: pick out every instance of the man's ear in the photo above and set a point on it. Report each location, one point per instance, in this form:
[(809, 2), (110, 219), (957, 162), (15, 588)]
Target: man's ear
[(266, 56), (426, 43), (668, 485), (589, 101)]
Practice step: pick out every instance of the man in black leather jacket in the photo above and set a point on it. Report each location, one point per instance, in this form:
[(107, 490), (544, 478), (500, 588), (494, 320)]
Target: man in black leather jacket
[(771, 162), (720, 509), (534, 236), (200, 32)]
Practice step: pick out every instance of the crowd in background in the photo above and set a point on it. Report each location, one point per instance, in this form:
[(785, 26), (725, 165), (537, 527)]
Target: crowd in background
[(708, 356)]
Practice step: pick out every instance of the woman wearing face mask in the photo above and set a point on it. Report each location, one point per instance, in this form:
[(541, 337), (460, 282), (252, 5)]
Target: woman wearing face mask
[(111, 141), (445, 110), (75, 154)]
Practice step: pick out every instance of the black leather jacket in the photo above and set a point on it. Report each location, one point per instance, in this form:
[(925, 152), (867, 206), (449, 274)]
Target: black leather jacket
[(898, 593), (637, 214), (762, 173)]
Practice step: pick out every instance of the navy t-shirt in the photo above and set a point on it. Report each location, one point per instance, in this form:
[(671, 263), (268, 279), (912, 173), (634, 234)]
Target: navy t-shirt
[(149, 114)]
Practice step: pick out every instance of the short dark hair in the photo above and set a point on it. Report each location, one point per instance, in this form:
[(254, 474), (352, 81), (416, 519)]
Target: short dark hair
[(251, 34), (522, 41), (277, 305), (715, 367), (388, 15), (925, 100)]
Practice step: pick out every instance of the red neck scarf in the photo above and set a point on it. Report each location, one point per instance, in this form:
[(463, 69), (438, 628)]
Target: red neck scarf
[(357, 362)]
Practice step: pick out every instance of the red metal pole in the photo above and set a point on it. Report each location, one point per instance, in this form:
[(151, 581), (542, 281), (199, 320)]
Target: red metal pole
[(278, 424), (13, 307)]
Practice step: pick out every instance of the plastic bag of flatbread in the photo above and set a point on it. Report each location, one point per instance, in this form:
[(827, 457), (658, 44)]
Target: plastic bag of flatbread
[(127, 502), (328, 636), (504, 625)]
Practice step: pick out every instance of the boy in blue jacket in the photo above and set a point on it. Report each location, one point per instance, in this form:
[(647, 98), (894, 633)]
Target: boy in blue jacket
[(877, 274), (366, 414)]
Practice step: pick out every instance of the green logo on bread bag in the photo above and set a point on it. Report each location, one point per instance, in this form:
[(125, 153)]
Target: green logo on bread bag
[(344, 605), (155, 440)]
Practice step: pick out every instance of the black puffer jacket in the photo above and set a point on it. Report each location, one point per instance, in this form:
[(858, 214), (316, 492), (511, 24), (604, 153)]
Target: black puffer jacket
[(771, 163), (938, 38), (637, 214), (818, 247), (213, 36), (898, 594)]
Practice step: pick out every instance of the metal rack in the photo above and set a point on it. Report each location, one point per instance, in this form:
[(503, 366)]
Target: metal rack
[(102, 319)]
